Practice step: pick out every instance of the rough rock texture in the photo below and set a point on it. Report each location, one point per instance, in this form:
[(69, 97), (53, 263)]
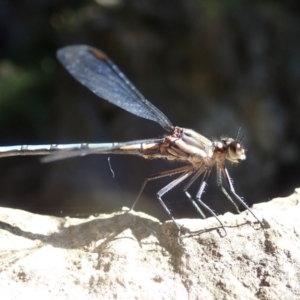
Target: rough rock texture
[(134, 256)]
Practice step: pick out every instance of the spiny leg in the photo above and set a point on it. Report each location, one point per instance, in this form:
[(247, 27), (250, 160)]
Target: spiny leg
[(186, 187), (219, 183), (170, 186), (157, 176), (231, 188), (199, 195), (186, 170)]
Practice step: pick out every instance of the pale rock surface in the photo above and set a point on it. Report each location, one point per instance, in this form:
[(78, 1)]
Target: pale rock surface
[(133, 256)]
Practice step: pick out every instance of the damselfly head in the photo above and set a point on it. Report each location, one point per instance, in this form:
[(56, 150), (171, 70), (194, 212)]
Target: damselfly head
[(235, 150)]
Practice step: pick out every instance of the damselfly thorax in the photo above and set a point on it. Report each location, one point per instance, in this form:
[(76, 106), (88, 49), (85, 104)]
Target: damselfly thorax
[(98, 73)]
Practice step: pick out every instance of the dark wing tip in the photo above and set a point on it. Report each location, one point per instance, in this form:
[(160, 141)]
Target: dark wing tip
[(70, 52), (97, 53), (69, 49)]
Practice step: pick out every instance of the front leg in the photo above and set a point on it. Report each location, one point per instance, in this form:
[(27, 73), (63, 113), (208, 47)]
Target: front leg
[(223, 170)]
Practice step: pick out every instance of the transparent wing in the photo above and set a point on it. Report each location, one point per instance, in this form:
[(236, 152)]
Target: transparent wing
[(98, 73)]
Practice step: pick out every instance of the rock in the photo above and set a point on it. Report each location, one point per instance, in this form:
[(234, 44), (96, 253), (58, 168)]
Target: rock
[(133, 256)]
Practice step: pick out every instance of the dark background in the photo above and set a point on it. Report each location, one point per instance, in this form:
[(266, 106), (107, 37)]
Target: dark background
[(213, 66)]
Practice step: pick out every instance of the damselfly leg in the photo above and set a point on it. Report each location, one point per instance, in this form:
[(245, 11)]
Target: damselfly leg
[(232, 190), (99, 74)]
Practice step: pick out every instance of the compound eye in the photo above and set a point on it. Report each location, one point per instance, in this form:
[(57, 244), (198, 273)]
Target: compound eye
[(236, 147), (236, 151)]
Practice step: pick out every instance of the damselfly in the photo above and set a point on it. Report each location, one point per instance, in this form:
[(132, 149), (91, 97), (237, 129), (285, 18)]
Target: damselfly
[(98, 73)]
